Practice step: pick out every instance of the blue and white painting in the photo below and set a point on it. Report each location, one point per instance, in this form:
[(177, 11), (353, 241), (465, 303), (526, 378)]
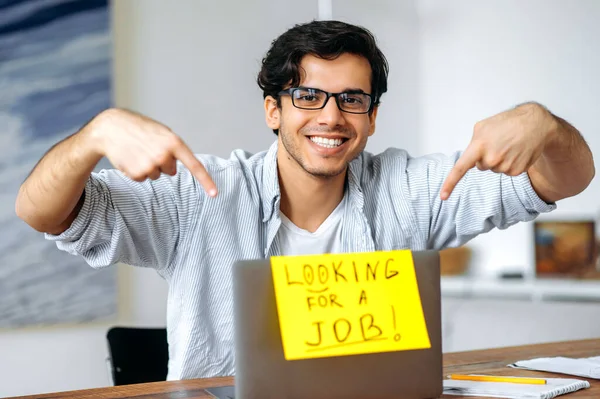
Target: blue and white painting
[(55, 75)]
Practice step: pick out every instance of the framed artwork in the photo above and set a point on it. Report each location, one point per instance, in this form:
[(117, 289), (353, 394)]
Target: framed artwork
[(565, 249), (55, 75)]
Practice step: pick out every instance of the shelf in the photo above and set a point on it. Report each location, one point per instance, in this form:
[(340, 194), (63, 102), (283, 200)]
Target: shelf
[(535, 290)]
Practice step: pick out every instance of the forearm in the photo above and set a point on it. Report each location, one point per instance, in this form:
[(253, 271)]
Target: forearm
[(49, 199), (565, 167)]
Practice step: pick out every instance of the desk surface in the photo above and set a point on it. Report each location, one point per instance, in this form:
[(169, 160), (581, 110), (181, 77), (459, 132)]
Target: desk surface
[(489, 361)]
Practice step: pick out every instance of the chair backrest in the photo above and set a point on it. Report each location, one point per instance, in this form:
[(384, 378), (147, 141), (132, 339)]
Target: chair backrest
[(138, 355)]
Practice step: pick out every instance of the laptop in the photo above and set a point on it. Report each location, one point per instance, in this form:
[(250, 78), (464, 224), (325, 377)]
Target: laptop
[(262, 372)]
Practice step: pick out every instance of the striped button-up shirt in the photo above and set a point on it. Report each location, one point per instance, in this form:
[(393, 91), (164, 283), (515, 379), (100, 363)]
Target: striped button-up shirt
[(192, 240)]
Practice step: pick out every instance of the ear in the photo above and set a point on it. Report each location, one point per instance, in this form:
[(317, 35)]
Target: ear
[(272, 114), (372, 118)]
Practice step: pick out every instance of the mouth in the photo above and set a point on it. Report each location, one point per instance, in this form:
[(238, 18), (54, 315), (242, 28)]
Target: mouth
[(328, 142)]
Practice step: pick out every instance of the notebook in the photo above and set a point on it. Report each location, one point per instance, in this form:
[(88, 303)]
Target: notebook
[(588, 367), (553, 388)]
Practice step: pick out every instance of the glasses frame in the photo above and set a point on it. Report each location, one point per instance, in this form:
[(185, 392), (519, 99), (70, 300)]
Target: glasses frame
[(291, 90)]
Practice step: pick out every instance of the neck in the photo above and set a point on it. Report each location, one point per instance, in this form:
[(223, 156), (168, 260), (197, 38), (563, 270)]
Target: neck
[(308, 200)]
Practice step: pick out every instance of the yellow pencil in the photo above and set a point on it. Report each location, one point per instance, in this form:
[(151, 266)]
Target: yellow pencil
[(490, 378)]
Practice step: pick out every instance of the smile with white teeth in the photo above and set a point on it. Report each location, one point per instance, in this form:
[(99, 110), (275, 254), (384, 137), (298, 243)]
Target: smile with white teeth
[(327, 143)]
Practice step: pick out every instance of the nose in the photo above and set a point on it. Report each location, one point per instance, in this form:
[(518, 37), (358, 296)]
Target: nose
[(331, 115)]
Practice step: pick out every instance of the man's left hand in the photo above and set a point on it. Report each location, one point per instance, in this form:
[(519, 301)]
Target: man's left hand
[(509, 143)]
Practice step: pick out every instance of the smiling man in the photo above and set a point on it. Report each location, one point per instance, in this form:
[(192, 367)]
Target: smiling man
[(324, 117), (314, 191)]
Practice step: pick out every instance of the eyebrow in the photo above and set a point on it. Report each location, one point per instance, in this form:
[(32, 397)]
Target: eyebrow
[(350, 90), (353, 90)]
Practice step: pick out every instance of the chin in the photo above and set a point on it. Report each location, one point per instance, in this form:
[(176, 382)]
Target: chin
[(324, 172)]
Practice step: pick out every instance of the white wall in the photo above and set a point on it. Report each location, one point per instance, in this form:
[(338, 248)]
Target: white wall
[(455, 63), (395, 26), (478, 58)]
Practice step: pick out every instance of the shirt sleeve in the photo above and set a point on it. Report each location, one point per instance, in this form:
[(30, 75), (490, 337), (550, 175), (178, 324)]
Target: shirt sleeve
[(140, 224), (481, 201)]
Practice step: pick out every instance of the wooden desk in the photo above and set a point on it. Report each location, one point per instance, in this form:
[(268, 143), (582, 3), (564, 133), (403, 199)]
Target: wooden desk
[(489, 361)]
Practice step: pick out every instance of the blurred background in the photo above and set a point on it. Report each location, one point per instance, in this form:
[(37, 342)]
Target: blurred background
[(192, 65)]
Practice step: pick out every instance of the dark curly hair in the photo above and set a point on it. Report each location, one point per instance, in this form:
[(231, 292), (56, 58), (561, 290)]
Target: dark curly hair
[(324, 39)]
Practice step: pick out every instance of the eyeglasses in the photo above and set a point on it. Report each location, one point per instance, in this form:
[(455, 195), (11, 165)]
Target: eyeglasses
[(353, 102)]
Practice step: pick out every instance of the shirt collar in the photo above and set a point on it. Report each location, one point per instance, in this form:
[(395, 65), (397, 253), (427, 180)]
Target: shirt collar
[(355, 174), (270, 182)]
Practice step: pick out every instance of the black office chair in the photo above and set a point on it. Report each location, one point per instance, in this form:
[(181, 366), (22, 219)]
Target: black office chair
[(137, 355)]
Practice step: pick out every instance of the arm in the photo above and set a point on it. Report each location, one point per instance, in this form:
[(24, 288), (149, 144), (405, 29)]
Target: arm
[(480, 202), (50, 198), (52, 195), (528, 139), (115, 215), (137, 223), (566, 165)]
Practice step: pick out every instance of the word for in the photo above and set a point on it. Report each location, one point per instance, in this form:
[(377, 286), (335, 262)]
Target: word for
[(331, 300)]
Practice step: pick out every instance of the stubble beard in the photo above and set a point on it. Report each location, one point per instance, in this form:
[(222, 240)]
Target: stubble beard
[(294, 152)]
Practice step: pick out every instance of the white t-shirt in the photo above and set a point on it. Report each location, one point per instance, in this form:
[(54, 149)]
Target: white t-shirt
[(326, 239)]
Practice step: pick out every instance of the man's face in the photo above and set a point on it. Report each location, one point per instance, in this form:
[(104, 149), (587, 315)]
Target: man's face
[(322, 142)]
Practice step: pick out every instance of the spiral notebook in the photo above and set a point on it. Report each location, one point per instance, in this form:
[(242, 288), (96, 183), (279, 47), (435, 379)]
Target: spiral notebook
[(553, 388)]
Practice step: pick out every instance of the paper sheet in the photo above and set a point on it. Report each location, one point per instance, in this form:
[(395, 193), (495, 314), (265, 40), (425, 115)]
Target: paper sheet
[(588, 367)]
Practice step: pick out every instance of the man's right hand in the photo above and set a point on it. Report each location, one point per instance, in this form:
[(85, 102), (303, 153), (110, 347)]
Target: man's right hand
[(142, 148)]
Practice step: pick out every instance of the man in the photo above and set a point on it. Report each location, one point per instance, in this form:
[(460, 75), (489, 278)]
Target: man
[(314, 191)]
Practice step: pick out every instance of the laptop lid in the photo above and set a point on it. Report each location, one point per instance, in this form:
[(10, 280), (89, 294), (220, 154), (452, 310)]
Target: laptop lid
[(263, 372)]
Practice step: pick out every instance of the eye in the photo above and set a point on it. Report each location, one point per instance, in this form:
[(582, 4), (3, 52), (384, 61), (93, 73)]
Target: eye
[(352, 100), (308, 97)]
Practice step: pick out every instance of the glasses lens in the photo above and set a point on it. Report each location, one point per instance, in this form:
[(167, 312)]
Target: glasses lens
[(308, 98), (356, 102)]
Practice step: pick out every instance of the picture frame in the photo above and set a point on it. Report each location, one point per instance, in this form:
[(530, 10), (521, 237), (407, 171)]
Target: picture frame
[(566, 249)]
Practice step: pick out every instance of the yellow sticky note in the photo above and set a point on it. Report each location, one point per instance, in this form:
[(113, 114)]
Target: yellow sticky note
[(348, 304)]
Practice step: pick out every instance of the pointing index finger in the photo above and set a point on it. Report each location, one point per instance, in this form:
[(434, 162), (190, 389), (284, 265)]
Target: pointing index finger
[(467, 161), (185, 155)]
